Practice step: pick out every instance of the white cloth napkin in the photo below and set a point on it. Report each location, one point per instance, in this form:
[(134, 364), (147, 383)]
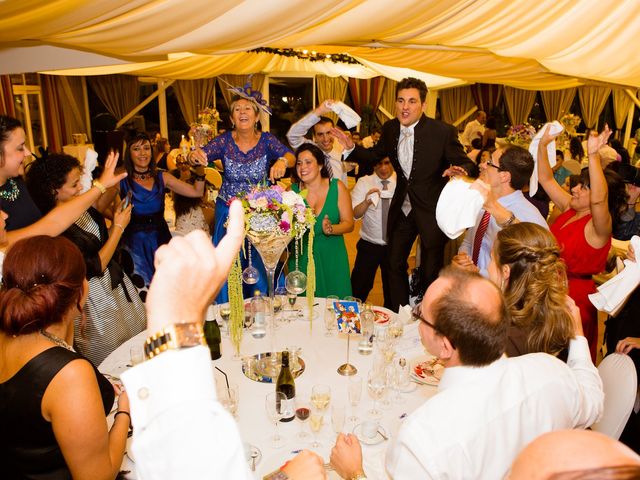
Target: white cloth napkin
[(346, 114), (90, 163), (556, 127), (458, 207), (612, 295), (404, 314)]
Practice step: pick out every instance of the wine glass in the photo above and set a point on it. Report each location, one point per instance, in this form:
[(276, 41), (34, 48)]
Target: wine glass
[(377, 386), (355, 393), (337, 418), (276, 405), (279, 298), (316, 420), (229, 397), (225, 313), (291, 297), (321, 396), (303, 411), (330, 315)]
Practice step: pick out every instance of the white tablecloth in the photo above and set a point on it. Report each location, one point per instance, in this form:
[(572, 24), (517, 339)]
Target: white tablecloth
[(322, 356)]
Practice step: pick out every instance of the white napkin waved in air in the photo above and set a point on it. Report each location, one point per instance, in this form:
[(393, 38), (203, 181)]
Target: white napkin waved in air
[(458, 207), (612, 295), (90, 163), (349, 117), (556, 127)]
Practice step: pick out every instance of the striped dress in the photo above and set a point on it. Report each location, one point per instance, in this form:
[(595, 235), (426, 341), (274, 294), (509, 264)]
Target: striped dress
[(113, 312)]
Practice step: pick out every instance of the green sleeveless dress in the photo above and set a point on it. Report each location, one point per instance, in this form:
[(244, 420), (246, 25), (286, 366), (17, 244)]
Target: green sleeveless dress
[(329, 251)]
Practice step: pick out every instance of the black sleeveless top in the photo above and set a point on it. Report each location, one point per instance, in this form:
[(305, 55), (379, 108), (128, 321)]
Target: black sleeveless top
[(28, 447)]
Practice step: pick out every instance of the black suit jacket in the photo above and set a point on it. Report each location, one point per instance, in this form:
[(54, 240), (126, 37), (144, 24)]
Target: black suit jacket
[(435, 148)]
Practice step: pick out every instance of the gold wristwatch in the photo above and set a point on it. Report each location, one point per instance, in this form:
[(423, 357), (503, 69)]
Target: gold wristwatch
[(173, 337)]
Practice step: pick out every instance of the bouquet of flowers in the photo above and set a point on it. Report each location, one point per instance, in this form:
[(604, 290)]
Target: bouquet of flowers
[(570, 123), (205, 127), (273, 217), (521, 134)]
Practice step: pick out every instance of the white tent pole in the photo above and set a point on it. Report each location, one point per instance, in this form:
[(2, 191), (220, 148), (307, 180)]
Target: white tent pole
[(632, 97), (385, 112), (464, 116), (162, 109), (264, 118), (87, 115), (144, 103)]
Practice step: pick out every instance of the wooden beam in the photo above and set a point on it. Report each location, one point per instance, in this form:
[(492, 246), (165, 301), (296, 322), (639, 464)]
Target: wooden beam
[(144, 103), (465, 116)]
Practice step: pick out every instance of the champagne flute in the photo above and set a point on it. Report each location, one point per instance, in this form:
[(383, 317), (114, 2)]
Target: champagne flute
[(276, 405), (355, 393), (377, 386), (337, 418), (303, 411), (225, 313), (291, 297), (330, 315), (316, 420), (321, 396)]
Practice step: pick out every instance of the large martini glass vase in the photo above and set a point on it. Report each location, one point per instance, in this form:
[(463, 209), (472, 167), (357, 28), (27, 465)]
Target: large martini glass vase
[(270, 248)]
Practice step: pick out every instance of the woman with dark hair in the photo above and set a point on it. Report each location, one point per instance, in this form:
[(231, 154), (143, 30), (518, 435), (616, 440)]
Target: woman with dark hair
[(526, 265), (490, 133), (24, 217), (331, 204), (114, 312), (53, 402), (146, 186), (249, 157), (584, 227), (575, 150)]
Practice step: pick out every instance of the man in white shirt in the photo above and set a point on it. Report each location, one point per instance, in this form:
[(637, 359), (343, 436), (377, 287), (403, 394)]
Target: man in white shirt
[(371, 140), (370, 199), (181, 430), (473, 129), (488, 406), (501, 181), (324, 136)]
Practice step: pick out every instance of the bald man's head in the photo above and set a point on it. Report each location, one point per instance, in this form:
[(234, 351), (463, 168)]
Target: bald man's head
[(569, 454), (469, 310)]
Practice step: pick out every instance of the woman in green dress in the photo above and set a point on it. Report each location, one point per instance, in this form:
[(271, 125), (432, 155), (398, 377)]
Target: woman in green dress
[(331, 204)]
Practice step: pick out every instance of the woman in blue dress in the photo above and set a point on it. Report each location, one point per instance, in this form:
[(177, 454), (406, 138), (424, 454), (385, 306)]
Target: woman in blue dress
[(248, 157), (148, 229)]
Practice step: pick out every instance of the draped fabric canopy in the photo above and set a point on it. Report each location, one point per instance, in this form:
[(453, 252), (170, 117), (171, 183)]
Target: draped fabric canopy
[(541, 45)]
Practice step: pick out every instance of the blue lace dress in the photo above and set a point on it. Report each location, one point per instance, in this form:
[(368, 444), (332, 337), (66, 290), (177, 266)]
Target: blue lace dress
[(241, 172), (147, 229)]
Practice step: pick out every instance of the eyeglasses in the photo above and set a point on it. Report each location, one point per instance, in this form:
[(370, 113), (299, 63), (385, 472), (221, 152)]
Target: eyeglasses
[(415, 313), (491, 164)]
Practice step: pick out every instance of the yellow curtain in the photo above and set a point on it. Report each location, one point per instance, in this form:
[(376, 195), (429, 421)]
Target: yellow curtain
[(72, 106), (556, 103), (331, 88), (519, 104), (592, 101), (6, 97), (119, 93), (388, 100), (52, 113), (454, 102), (621, 105), (193, 96)]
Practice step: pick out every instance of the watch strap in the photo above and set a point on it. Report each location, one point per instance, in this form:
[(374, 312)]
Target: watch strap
[(173, 337)]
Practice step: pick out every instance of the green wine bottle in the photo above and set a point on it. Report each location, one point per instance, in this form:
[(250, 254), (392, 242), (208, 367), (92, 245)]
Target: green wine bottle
[(213, 337), (286, 385)]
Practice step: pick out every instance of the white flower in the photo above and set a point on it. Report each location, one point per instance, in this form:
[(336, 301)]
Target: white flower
[(290, 198)]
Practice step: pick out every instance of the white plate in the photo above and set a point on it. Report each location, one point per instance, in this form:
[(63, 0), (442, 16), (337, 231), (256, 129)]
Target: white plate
[(381, 313), (422, 376), (370, 441)]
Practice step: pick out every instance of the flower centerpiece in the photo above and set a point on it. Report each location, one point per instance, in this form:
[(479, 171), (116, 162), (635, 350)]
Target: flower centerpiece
[(273, 217), (521, 134), (570, 122), (205, 127)]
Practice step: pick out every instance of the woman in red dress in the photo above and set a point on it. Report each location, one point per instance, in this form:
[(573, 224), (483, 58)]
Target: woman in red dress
[(583, 229)]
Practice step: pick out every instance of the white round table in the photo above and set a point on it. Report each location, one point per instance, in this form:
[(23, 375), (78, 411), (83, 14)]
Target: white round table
[(322, 356)]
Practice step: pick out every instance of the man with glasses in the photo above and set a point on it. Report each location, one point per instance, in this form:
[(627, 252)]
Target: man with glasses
[(501, 181), (488, 406)]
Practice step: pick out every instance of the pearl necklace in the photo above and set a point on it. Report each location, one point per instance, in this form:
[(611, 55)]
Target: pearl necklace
[(57, 340), (10, 191)]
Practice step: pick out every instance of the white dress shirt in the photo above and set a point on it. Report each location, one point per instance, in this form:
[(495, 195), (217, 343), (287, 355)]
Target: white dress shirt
[(371, 228), (296, 137), (367, 142), (481, 418), (474, 129), (524, 211), (180, 429)]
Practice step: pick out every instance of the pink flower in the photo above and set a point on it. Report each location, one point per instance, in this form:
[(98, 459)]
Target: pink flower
[(284, 226)]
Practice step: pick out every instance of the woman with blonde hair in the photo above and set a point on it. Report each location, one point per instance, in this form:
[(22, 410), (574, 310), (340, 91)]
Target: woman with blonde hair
[(526, 265)]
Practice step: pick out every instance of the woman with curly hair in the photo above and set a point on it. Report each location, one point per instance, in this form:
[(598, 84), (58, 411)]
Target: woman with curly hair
[(584, 227), (114, 312), (526, 265)]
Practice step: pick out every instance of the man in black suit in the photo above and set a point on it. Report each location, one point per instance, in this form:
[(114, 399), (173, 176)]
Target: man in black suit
[(424, 152)]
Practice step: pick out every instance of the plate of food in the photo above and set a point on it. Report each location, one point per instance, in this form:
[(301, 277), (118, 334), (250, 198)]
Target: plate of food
[(428, 371), (383, 315)]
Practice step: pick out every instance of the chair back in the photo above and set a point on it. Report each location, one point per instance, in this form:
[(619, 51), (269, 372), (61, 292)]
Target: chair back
[(213, 177), (620, 384)]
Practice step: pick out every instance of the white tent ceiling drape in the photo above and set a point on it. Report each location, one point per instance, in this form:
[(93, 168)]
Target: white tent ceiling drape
[(528, 44)]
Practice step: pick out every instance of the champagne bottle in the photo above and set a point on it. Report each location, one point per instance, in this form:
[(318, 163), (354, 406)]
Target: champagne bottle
[(212, 335), (286, 385)]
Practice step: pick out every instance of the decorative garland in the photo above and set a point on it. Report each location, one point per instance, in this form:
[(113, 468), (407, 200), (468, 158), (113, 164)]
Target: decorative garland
[(236, 304), (312, 56)]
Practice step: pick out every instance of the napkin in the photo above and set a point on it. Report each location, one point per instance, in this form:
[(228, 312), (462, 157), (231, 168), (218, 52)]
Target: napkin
[(90, 163), (612, 295), (458, 207), (349, 117), (375, 198), (404, 314), (556, 127)]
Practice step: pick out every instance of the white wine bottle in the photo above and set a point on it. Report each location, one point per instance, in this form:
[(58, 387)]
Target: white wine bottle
[(286, 385)]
